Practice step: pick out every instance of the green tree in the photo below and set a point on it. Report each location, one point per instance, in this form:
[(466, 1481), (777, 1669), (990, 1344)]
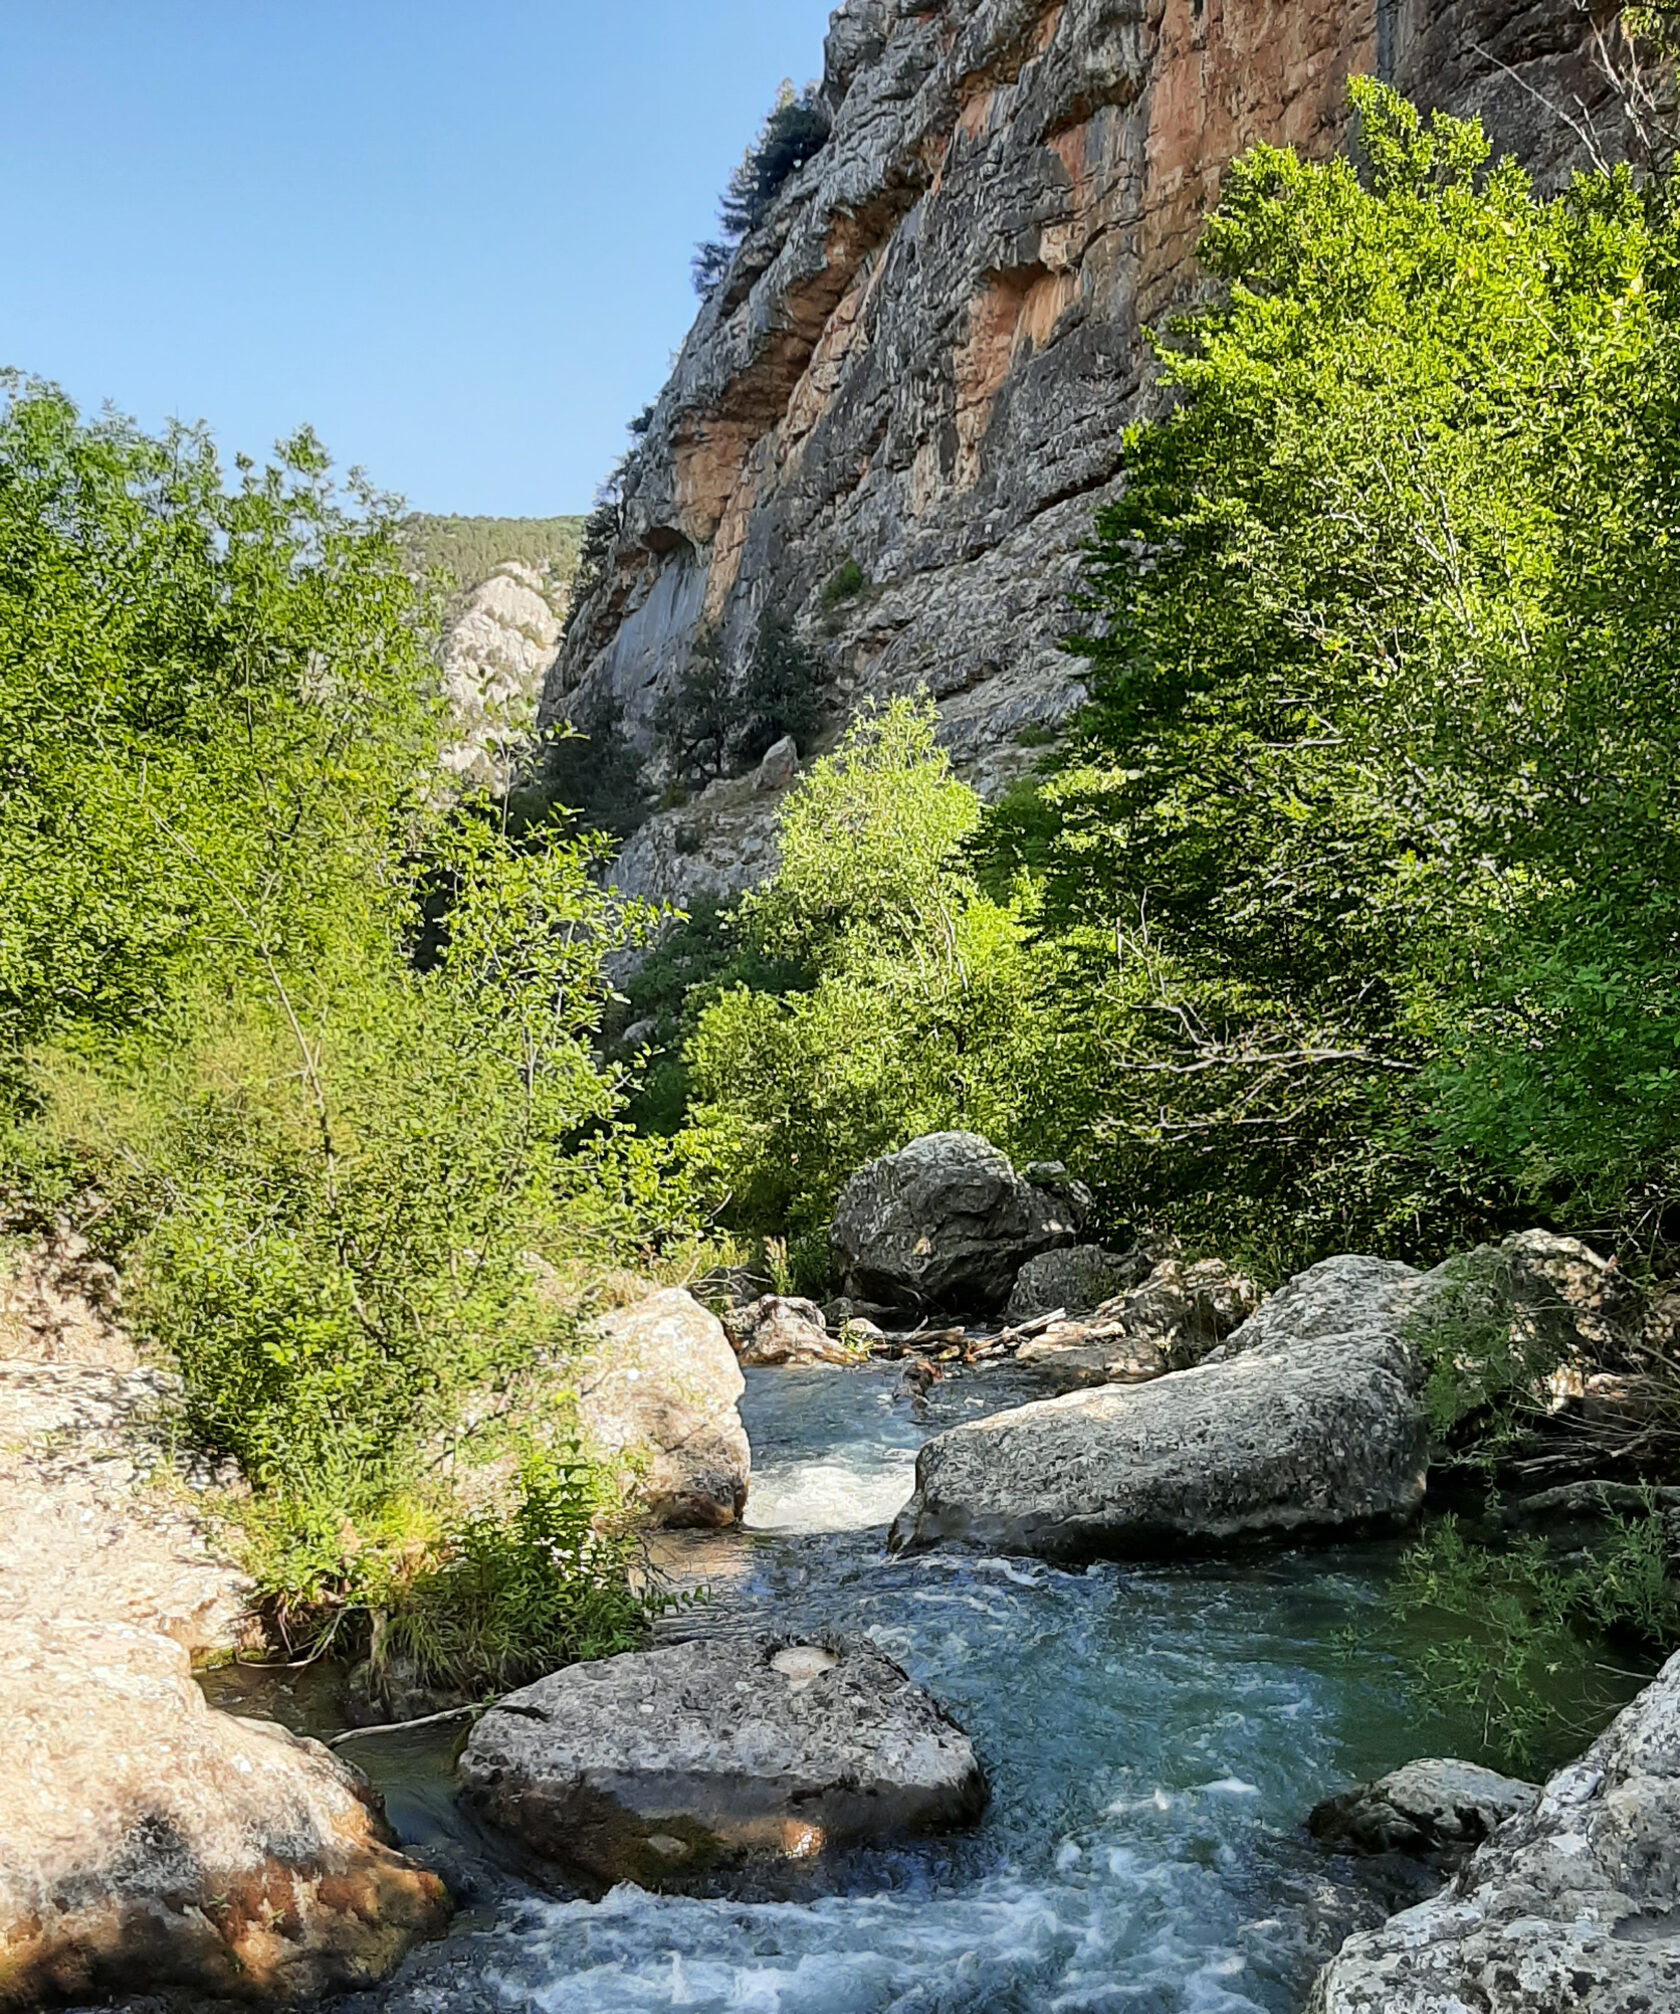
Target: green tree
[(1359, 905), (330, 1167), (796, 130), (697, 719), (781, 693), (916, 1014)]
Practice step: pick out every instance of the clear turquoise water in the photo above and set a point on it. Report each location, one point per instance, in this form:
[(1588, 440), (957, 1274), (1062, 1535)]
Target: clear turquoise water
[(1154, 1738)]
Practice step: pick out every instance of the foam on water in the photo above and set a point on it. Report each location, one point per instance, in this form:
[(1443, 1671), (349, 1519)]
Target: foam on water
[(1154, 1739)]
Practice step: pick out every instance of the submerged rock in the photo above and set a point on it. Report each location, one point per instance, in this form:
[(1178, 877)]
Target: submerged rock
[(661, 1384), (1442, 1809), (946, 1223), (781, 1329), (149, 1841), (1570, 1907), (660, 1762)]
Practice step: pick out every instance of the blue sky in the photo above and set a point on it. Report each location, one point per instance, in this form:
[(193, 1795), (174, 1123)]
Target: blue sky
[(452, 235)]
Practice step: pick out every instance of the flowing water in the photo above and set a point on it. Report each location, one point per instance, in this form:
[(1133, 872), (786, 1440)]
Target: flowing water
[(1154, 1738)]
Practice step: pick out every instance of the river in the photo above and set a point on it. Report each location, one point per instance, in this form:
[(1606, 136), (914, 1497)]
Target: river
[(1154, 1738)]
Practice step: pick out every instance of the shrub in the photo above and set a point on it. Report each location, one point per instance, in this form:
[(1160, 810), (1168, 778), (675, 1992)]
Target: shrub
[(323, 1043), (920, 1014), (594, 775), (781, 693), (1520, 1648), (845, 584)]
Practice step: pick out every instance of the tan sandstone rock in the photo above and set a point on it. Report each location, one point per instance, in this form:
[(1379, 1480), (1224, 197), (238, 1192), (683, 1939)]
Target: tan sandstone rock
[(147, 1841)]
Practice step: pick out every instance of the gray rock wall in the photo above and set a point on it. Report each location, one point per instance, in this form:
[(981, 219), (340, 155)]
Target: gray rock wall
[(925, 359)]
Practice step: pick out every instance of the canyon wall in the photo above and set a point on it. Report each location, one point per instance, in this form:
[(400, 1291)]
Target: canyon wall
[(916, 375)]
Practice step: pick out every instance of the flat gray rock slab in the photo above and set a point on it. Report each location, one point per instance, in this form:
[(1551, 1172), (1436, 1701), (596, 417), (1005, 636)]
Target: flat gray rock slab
[(656, 1764), (1271, 1444), (1571, 1908)]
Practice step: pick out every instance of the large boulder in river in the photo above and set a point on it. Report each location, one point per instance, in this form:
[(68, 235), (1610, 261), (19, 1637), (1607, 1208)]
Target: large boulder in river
[(1570, 1908), (946, 1223), (148, 1842), (1439, 1809), (658, 1763), (660, 1385), (1305, 1424)]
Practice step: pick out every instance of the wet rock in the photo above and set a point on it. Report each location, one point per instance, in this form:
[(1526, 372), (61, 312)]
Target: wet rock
[(1170, 1322), (652, 1765), (1281, 1445), (1078, 1279), (1570, 1908), (1439, 1809), (944, 1224), (661, 1384), (781, 1329), (150, 1842)]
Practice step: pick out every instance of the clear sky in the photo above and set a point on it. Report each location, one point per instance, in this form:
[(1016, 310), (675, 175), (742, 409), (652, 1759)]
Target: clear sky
[(452, 235)]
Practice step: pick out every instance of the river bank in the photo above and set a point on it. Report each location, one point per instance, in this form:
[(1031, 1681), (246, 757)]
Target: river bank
[(1155, 1739)]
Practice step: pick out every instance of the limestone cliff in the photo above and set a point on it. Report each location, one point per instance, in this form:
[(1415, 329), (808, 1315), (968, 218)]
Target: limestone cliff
[(497, 653), (921, 365)]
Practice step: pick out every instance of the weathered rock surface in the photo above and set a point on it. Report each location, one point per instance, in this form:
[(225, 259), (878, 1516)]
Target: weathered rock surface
[(1347, 1296), (654, 1763), (149, 1842), (95, 1520), (1306, 1422), (1077, 1280), (660, 1385), (497, 654), (782, 1329), (1169, 1323), (1278, 1445), (1573, 1908), (924, 362), (1438, 1809), (779, 767), (945, 1223)]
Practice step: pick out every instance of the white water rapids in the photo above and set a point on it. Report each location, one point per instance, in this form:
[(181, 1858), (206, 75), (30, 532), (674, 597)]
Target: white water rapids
[(1154, 1738)]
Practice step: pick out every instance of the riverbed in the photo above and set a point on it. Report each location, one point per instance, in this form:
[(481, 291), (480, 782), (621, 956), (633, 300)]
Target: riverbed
[(1154, 1737)]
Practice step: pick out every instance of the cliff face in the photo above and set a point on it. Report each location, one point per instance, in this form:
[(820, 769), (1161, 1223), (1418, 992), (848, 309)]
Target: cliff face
[(922, 364)]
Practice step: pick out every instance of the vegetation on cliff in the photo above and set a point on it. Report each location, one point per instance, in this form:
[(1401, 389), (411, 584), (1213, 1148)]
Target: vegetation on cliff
[(1347, 920), (311, 1048)]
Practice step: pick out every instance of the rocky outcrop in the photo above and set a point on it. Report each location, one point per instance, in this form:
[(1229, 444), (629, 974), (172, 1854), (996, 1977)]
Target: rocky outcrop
[(945, 1223), (1177, 1317), (1438, 1810), (894, 417), (1571, 1908), (496, 656), (658, 1763), (659, 1387), (782, 1329), (151, 1843), (1077, 1280)]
